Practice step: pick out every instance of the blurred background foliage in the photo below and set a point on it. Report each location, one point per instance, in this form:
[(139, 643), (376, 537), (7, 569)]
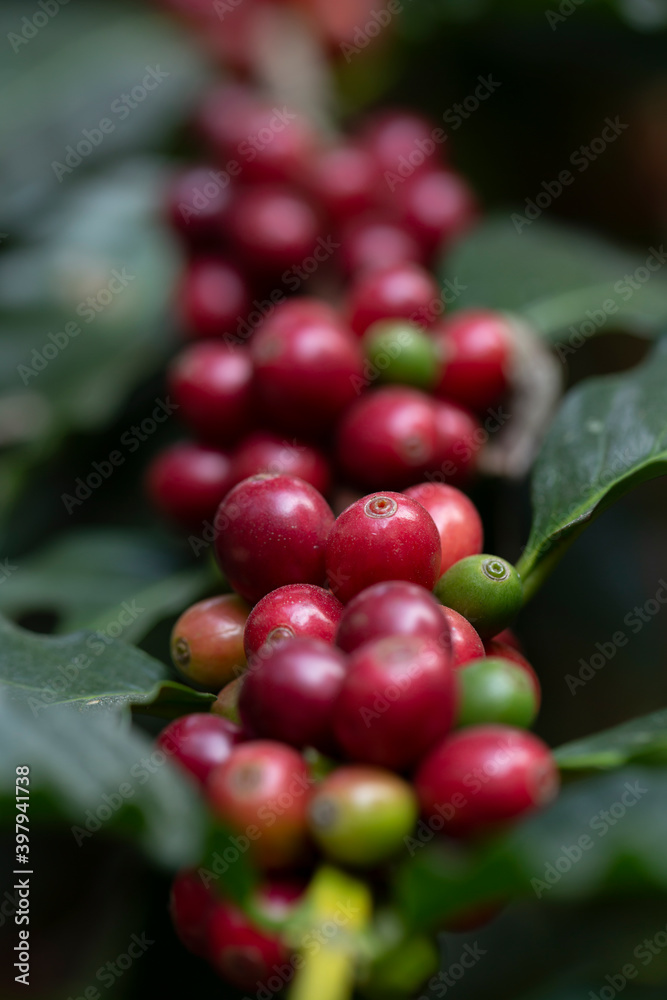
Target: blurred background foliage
[(60, 242)]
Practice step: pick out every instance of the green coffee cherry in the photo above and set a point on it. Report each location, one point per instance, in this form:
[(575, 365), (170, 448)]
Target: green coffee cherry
[(402, 971), (360, 815), (398, 351), (484, 589), (495, 690)]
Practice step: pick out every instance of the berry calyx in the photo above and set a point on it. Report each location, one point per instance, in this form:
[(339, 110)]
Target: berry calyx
[(492, 689), (485, 589), (207, 641)]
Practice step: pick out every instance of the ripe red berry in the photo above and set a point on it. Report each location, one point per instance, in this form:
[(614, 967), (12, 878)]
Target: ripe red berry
[(275, 454), (344, 180), (375, 243), (207, 641), (482, 778), (272, 531), (401, 143), (391, 608), (262, 789), (273, 227), (508, 637), (404, 290), (191, 906), (241, 953), (466, 643), (300, 610), (388, 438), (476, 346), (290, 692), (197, 203), (495, 648), (459, 441), (396, 702), (199, 741), (456, 518), (188, 481), (213, 297), (212, 386), (383, 536), (308, 365), (437, 207)]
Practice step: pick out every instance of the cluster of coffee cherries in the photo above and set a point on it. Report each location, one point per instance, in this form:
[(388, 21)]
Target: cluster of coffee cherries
[(359, 384), (369, 691)]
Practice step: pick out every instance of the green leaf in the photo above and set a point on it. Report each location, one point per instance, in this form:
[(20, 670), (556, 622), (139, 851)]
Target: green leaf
[(89, 670), (553, 275), (609, 436), (98, 775), (642, 740)]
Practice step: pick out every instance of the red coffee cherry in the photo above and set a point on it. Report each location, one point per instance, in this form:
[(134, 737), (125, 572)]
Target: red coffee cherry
[(188, 481), (212, 386), (437, 207), (214, 296), (278, 455), (307, 365), (456, 518), (207, 641), (191, 906), (476, 346), (290, 692), (344, 180), (404, 291), (383, 536), (272, 531), (388, 438), (480, 779), (396, 702), (375, 243), (272, 227), (466, 643), (402, 143), (197, 203), (299, 610), (199, 741), (508, 638), (388, 609), (222, 117), (261, 792), (459, 441), (495, 648), (241, 953)]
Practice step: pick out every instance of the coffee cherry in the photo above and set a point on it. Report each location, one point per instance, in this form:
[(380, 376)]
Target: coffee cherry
[(508, 638), (289, 694), (300, 610), (459, 441), (495, 690), (388, 438), (226, 704), (212, 385), (401, 144), (191, 906), (476, 347), (272, 531), (266, 452), (456, 518), (400, 352), (484, 589), (242, 954), (466, 643), (437, 207), (482, 778), (361, 815), (197, 205), (396, 702), (492, 647), (213, 297), (207, 641), (374, 243), (199, 741), (404, 291), (383, 536), (187, 482), (273, 227), (343, 179), (261, 791), (308, 365), (387, 609)]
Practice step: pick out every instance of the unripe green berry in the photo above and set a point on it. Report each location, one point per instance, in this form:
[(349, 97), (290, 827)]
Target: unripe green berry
[(495, 690), (484, 589), (399, 351)]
